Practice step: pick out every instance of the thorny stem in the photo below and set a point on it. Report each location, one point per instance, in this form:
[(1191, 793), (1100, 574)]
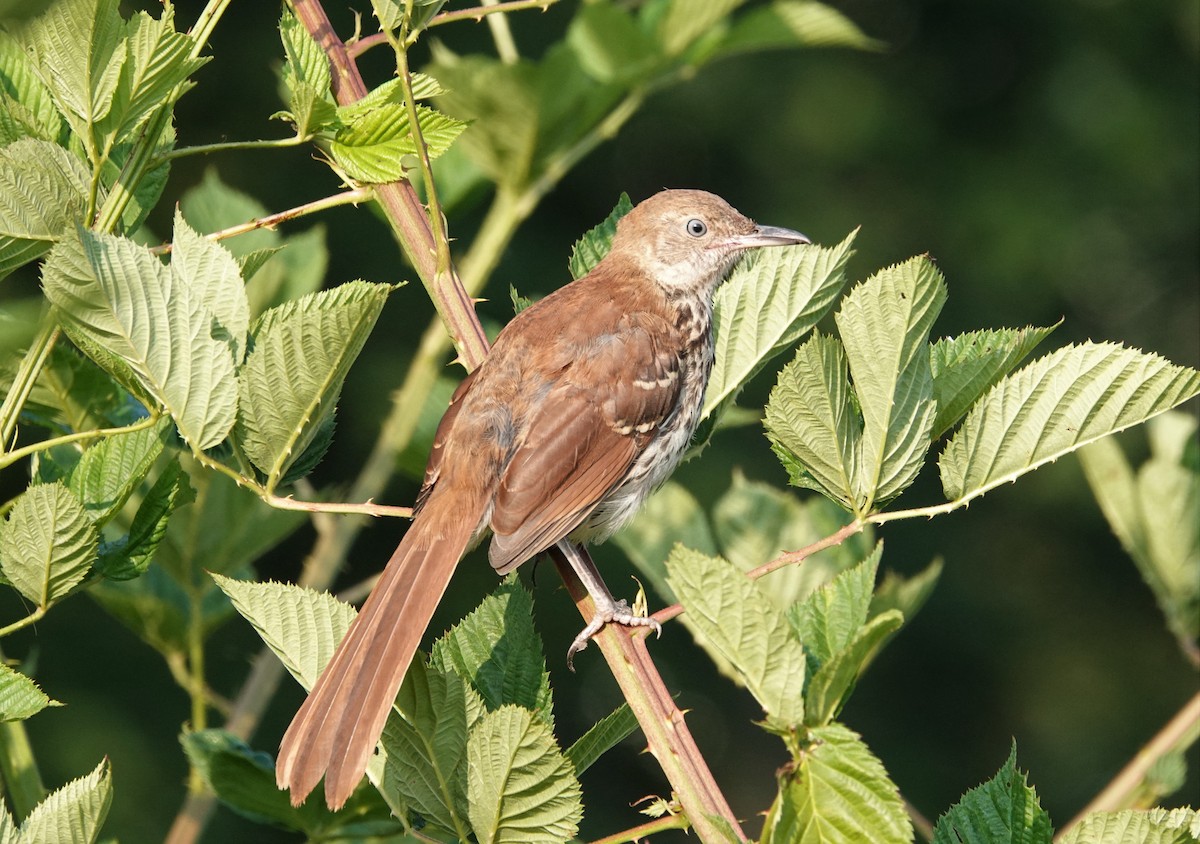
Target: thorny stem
[(641, 831), (476, 14)]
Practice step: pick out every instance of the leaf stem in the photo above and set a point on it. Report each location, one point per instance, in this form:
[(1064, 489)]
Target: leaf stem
[(43, 445), (506, 47), (26, 375), (1180, 733), (354, 196), (637, 833), (224, 146), (33, 618), (478, 13)]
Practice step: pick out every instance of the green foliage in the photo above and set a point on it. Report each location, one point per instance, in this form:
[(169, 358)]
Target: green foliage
[(73, 814), (47, 544), (837, 791), (1004, 809), (1155, 513), (596, 241), (44, 190), (20, 698), (1157, 826)]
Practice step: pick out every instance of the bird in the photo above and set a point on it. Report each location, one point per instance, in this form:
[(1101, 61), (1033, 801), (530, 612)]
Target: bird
[(582, 407)]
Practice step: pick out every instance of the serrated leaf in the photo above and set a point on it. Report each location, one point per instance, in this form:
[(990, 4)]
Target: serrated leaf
[(834, 680), (743, 625), (596, 241), (498, 651), (604, 735), (26, 107), (426, 749), (207, 267), (1055, 405), (829, 617), (74, 814), (789, 24), (1134, 826), (130, 555), (306, 62), (1003, 809), (521, 788), (768, 303), (814, 425), (906, 594), (838, 793), (20, 697), (43, 191), (966, 366), (47, 543), (109, 471), (884, 324), (293, 375), (72, 394), (79, 51), (371, 147), (301, 626), (114, 295), (670, 516)]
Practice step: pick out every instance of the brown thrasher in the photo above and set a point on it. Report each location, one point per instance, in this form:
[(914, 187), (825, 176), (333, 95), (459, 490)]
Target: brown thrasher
[(583, 406)]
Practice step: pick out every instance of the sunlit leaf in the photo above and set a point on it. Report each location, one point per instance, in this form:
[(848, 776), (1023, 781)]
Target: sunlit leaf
[(371, 147), (828, 618), (20, 697), (604, 735), (43, 191), (596, 241), (788, 24), (1003, 809), (74, 814), (1133, 826), (109, 471), (832, 683), (47, 543)]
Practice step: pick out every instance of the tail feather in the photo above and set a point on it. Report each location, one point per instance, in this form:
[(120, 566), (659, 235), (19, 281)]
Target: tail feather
[(335, 731)]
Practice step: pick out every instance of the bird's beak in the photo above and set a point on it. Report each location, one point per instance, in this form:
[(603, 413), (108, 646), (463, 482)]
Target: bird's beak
[(767, 236)]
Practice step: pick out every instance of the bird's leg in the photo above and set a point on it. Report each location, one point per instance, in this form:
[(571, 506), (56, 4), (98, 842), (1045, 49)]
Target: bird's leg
[(608, 609)]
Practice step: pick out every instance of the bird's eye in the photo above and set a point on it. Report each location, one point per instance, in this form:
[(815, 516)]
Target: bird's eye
[(696, 228)]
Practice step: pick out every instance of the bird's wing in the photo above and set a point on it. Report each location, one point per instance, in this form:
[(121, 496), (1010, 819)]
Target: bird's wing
[(591, 426)]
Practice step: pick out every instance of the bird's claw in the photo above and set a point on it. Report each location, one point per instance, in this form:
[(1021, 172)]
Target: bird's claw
[(617, 612)]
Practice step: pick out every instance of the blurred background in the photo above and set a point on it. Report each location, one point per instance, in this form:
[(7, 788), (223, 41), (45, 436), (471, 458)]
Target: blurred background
[(1047, 155)]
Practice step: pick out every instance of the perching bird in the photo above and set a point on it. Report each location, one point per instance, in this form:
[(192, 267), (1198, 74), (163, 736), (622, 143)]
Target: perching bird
[(584, 406)]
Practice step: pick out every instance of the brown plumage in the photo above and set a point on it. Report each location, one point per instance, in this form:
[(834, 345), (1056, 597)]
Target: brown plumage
[(583, 406)]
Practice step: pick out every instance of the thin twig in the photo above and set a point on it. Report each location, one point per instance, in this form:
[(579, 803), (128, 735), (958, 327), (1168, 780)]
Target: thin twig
[(1179, 733), (367, 508), (478, 13), (637, 833), (44, 445), (363, 193)]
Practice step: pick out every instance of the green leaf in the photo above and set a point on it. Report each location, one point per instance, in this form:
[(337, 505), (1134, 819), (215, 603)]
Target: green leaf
[(207, 267), (371, 147), (43, 191), (497, 650), (109, 471), (301, 626), (965, 367), (768, 303), (1133, 826), (884, 324), (306, 62), (78, 50), (157, 60), (1003, 809), (604, 735), (907, 595), (831, 616), (596, 241), (687, 20), (814, 424), (20, 698), (73, 814), (47, 543), (26, 107), (521, 788), (789, 24), (1055, 405), (1155, 513), (610, 44), (130, 556), (743, 625), (114, 295), (72, 395), (834, 680), (244, 780), (838, 793), (293, 375)]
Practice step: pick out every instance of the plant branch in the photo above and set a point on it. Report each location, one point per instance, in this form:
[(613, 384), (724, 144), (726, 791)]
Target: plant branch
[(1180, 733), (478, 13), (506, 47), (20, 624), (24, 379), (226, 146), (667, 735), (790, 558), (641, 831), (43, 445), (367, 508)]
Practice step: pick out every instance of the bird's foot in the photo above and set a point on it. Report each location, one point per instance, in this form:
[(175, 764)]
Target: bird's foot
[(617, 612)]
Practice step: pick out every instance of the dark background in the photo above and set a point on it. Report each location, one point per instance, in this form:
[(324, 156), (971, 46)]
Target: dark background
[(1045, 154)]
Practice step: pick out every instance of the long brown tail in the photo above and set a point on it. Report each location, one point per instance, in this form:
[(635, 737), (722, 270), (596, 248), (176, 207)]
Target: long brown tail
[(335, 731)]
